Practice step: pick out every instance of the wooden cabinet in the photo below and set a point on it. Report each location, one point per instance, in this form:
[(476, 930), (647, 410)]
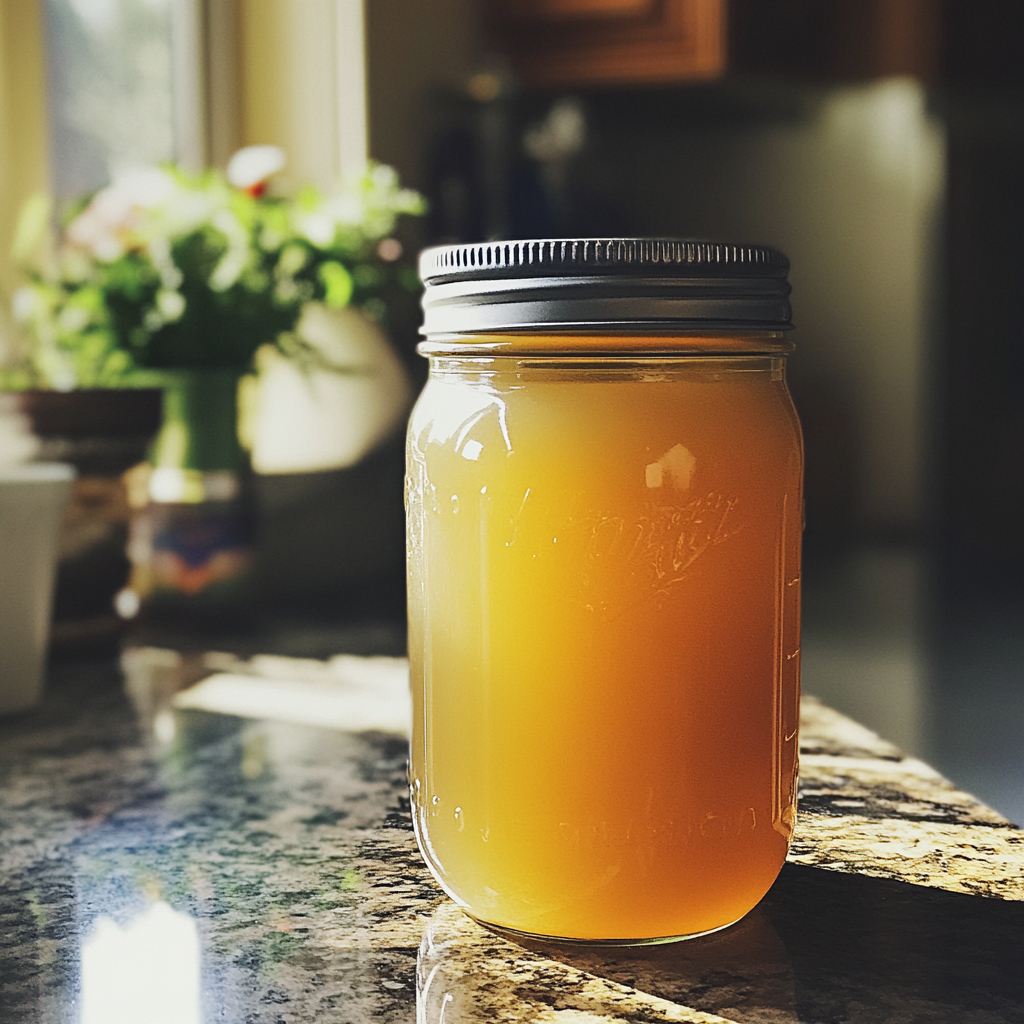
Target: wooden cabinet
[(555, 10), (571, 43), (580, 43)]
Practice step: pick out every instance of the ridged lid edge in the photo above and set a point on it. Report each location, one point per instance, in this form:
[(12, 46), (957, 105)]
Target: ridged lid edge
[(549, 257)]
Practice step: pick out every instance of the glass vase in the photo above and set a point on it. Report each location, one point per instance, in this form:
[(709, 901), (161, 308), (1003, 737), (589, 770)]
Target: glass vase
[(191, 542)]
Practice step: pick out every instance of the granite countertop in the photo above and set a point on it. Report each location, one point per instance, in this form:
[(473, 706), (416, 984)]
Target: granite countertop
[(239, 870)]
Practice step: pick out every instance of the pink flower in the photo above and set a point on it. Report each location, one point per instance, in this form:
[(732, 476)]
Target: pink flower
[(106, 226)]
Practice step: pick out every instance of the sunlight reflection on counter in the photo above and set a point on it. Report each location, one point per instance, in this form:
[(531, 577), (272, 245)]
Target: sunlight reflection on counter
[(145, 971)]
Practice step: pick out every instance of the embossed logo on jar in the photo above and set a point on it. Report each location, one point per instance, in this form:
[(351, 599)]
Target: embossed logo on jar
[(630, 561)]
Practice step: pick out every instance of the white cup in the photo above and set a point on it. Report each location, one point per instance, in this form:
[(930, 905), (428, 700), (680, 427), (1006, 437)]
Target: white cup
[(32, 501)]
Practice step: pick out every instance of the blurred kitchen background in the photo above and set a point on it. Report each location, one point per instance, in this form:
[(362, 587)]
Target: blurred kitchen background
[(879, 143)]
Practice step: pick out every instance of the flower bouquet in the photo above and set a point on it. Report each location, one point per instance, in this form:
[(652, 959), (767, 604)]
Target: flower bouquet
[(170, 270), (178, 279)]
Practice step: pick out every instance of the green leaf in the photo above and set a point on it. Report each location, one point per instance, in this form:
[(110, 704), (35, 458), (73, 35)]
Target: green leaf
[(367, 276), (308, 198), (337, 282)]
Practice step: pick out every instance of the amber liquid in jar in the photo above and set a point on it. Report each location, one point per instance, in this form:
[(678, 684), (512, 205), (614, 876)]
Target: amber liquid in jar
[(604, 566)]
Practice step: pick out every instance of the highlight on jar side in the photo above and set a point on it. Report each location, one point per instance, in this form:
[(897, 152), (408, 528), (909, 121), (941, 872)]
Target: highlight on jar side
[(604, 498)]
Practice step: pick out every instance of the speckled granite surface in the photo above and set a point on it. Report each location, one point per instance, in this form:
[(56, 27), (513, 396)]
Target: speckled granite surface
[(285, 852)]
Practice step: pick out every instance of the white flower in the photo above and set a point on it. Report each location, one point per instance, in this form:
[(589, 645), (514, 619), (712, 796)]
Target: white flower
[(348, 208), (142, 187), (384, 177), (287, 290), (251, 166), (171, 305), (187, 211), (73, 319), (270, 240), (23, 305), (159, 249), (75, 265), (91, 230), (152, 321), (293, 258), (62, 376), (318, 227), (103, 226), (408, 200), (236, 256), (58, 367)]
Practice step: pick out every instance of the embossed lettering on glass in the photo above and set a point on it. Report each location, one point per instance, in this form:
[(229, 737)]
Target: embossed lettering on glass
[(604, 514)]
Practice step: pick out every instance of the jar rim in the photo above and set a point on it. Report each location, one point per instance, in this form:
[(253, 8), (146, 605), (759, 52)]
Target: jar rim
[(541, 343)]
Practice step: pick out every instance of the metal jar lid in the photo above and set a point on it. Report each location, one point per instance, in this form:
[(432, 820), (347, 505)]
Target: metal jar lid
[(614, 284)]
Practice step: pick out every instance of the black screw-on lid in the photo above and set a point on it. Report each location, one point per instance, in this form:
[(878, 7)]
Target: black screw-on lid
[(603, 283)]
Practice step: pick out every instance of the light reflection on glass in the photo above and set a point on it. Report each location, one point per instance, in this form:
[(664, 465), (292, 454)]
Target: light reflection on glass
[(466, 974), (145, 972)]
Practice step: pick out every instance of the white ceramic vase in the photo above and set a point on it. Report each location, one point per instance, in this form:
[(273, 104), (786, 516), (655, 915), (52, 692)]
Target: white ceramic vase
[(312, 419), (32, 501)]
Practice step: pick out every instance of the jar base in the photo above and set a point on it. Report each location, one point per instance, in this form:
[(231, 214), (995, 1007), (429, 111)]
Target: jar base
[(524, 938)]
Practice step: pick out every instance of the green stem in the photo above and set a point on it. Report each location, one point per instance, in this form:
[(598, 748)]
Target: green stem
[(200, 422)]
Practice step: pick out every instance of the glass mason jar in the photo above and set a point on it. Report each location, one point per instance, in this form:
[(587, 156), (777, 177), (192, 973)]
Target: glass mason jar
[(604, 519)]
